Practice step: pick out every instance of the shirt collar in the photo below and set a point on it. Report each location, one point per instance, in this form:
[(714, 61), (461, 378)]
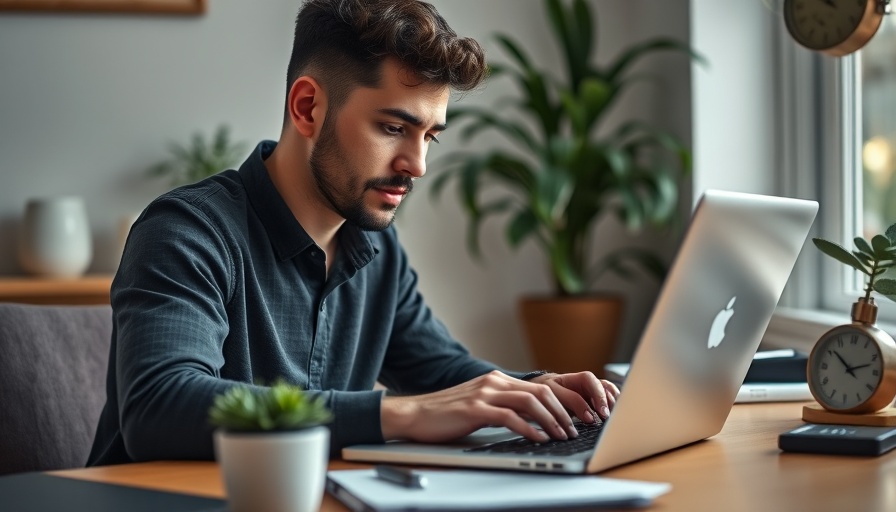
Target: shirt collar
[(288, 237)]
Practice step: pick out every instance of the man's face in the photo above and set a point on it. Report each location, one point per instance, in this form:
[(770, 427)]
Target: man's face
[(371, 150)]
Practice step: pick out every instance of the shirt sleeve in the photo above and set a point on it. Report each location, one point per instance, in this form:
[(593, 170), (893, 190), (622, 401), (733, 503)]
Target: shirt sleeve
[(422, 355), (170, 300)]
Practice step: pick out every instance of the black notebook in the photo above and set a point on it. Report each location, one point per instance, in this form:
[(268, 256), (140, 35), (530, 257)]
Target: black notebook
[(40, 492), (839, 439)]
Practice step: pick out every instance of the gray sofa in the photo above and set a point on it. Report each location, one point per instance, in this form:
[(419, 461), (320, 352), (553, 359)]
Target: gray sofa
[(52, 384)]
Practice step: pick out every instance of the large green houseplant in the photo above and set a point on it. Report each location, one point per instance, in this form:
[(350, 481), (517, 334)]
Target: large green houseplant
[(567, 169)]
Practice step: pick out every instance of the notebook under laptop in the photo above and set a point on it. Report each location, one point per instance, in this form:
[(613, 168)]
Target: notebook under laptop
[(709, 318)]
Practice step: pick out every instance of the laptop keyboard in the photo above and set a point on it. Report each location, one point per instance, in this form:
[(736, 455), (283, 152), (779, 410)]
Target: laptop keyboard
[(587, 439)]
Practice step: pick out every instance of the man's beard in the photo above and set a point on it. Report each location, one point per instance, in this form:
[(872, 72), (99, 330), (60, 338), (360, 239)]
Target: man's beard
[(330, 169)]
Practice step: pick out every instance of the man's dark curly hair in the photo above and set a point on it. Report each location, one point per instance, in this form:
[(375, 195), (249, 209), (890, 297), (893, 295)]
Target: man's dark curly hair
[(343, 44)]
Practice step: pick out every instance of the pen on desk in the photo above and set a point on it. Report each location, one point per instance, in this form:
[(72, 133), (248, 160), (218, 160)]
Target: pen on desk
[(401, 476)]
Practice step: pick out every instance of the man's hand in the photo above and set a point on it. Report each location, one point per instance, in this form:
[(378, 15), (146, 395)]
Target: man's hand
[(498, 399), (582, 393)]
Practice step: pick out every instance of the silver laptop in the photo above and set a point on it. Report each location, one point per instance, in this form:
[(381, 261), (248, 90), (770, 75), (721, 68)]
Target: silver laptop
[(709, 318)]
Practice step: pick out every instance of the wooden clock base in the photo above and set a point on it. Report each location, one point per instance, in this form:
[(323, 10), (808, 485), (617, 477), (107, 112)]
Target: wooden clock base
[(817, 414)]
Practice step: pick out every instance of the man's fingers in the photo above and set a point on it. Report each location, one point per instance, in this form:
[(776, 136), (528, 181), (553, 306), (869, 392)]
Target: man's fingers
[(611, 388), (593, 389), (612, 392), (524, 403), (573, 401), (506, 417), (541, 393), (598, 394)]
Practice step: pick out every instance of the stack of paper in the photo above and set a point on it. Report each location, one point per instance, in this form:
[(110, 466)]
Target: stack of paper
[(361, 490)]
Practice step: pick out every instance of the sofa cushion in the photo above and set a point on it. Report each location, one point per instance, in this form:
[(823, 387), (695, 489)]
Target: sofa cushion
[(52, 383)]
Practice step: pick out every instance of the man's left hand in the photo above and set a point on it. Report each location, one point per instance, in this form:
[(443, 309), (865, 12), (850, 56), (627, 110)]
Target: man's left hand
[(582, 393)]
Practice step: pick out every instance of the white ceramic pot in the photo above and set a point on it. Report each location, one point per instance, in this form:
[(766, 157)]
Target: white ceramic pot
[(55, 238), (274, 471)]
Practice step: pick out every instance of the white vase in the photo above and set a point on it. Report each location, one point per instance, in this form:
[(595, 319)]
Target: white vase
[(55, 238), (274, 471)]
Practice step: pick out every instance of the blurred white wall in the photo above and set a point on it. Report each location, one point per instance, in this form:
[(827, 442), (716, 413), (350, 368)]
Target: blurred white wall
[(735, 124), (87, 102)]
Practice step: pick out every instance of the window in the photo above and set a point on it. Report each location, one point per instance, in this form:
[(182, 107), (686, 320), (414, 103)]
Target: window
[(836, 143), (838, 122), (878, 129)]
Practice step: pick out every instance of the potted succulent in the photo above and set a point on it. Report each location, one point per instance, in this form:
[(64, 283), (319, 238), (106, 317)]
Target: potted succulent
[(566, 173), (201, 158), (272, 445)]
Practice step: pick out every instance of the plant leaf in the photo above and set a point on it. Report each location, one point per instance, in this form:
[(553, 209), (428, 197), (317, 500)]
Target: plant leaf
[(573, 30), (863, 246), (864, 258), (840, 254), (282, 406), (618, 261), (483, 119), (881, 246), (475, 223), (552, 191), (514, 50), (200, 158), (632, 54), (891, 233), (569, 281), (886, 287), (523, 224)]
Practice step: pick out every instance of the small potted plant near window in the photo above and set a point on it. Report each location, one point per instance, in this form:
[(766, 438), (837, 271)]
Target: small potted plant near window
[(200, 158), (272, 445), (566, 171), (876, 259)]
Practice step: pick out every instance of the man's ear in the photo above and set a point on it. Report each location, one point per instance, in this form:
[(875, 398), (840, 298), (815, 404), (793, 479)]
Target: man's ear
[(306, 105)]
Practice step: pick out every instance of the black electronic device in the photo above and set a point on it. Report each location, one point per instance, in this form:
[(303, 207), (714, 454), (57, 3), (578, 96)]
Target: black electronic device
[(839, 439), (777, 366)]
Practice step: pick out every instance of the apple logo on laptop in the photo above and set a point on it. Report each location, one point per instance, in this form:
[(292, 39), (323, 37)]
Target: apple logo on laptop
[(717, 331)]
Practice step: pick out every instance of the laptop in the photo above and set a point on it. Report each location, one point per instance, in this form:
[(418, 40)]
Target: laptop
[(714, 306)]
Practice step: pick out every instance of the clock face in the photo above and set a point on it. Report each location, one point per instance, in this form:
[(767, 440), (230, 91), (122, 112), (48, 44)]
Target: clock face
[(840, 25), (845, 369)]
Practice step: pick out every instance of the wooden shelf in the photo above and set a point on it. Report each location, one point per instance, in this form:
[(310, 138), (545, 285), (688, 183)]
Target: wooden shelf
[(90, 289)]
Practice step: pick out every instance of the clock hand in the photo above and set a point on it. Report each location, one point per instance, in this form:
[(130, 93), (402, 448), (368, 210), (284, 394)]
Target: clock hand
[(848, 369), (860, 366), (830, 2)]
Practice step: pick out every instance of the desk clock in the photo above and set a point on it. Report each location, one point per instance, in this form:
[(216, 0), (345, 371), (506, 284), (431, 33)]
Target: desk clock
[(852, 372)]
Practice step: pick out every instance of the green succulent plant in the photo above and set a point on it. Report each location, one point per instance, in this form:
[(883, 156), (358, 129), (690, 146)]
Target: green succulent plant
[(282, 406), (876, 259), (563, 176), (201, 158)]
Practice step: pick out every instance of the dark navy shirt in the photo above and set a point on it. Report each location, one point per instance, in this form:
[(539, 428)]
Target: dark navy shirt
[(220, 284)]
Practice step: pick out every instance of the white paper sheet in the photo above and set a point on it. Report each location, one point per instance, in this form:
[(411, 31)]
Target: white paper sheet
[(361, 490)]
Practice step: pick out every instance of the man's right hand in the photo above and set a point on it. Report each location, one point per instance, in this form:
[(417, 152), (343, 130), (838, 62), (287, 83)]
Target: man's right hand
[(491, 399)]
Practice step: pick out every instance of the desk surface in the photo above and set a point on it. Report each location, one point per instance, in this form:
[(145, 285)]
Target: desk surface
[(739, 469)]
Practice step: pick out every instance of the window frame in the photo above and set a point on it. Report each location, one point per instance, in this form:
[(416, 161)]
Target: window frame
[(820, 140)]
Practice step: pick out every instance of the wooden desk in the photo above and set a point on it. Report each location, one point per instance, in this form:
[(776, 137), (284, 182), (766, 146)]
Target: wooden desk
[(741, 469), (91, 289)]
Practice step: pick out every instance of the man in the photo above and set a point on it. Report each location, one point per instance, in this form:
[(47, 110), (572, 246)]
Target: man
[(289, 267)]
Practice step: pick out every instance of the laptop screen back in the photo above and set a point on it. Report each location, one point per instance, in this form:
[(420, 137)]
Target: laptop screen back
[(708, 321)]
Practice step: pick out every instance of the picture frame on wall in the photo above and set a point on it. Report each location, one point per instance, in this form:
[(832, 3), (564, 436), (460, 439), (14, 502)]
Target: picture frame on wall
[(187, 7)]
